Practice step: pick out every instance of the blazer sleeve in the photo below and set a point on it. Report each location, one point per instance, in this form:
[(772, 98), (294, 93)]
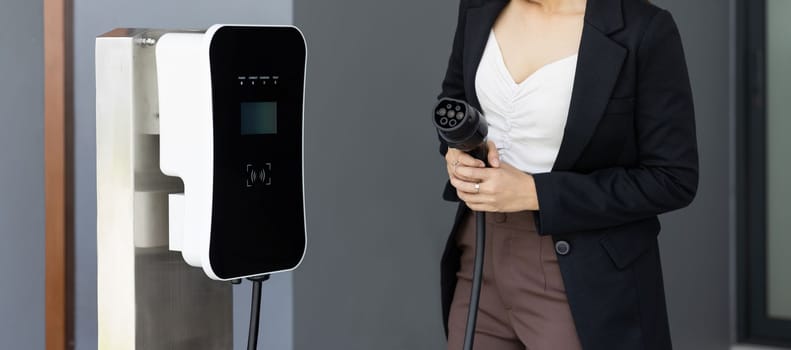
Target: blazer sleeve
[(453, 84), (665, 176)]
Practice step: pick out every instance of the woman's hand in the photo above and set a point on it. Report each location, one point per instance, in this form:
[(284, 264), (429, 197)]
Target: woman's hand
[(455, 158), (501, 188)]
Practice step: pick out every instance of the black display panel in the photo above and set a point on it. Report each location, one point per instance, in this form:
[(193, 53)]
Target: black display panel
[(259, 118), (257, 86)]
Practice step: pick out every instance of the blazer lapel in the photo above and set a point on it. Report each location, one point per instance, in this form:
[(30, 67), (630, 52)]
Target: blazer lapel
[(598, 65), (476, 33)]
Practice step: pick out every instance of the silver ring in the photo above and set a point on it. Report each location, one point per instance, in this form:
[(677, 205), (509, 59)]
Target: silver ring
[(477, 188)]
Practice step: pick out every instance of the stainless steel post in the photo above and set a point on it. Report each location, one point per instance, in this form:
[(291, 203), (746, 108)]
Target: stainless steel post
[(148, 298)]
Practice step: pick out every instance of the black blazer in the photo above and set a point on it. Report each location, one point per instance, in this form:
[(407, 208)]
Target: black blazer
[(629, 153)]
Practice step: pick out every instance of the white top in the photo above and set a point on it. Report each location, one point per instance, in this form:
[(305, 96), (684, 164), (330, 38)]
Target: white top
[(526, 120)]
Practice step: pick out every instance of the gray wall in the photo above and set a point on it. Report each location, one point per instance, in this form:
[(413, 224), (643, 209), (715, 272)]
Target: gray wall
[(695, 241), (94, 17), (375, 219), (376, 223), (778, 105), (21, 176)]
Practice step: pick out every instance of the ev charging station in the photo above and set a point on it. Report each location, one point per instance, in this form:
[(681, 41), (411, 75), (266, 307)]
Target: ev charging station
[(199, 163)]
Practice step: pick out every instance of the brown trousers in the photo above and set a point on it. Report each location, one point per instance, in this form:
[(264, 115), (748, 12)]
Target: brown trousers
[(523, 301)]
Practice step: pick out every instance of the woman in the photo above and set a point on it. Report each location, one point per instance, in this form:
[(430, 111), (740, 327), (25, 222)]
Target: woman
[(591, 136)]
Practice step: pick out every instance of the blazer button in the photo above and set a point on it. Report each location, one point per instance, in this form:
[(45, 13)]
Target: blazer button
[(562, 247)]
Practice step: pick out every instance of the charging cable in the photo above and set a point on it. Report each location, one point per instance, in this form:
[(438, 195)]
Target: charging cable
[(477, 275), (255, 311), (463, 127)]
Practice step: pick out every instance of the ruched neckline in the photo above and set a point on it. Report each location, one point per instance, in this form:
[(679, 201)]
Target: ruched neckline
[(526, 119), (535, 74)]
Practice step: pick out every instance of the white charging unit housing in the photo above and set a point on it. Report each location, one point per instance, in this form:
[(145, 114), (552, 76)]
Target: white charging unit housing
[(231, 115)]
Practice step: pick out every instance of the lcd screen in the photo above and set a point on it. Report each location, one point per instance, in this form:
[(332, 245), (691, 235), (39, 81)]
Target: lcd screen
[(259, 118)]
